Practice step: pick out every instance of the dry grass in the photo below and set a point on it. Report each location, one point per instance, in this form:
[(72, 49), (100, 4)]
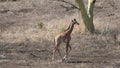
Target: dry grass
[(24, 44)]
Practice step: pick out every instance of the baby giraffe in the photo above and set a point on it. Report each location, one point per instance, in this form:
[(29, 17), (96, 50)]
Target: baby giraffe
[(64, 37)]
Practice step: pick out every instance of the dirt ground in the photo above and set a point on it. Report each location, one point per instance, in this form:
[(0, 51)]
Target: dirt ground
[(23, 44)]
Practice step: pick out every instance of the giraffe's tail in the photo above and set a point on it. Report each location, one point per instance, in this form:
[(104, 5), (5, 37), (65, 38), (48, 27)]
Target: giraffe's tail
[(54, 42)]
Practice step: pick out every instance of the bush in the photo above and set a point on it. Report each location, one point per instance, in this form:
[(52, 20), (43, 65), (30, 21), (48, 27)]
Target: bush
[(40, 24), (63, 28)]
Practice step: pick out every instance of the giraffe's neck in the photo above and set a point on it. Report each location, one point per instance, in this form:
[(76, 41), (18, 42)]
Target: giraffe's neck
[(70, 29)]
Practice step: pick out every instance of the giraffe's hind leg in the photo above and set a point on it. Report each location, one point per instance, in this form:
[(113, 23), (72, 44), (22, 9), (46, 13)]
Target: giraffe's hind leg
[(56, 49), (53, 57)]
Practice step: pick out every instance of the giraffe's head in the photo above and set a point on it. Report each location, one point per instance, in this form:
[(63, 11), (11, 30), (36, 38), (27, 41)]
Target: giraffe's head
[(75, 22)]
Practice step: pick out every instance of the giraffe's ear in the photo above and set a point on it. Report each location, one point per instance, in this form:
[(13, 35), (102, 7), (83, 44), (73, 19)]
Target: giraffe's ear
[(74, 19)]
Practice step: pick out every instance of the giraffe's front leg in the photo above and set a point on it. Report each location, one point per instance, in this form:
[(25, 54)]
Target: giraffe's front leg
[(68, 49)]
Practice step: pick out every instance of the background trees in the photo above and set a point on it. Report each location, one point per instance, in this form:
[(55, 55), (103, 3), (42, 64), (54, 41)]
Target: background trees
[(87, 15)]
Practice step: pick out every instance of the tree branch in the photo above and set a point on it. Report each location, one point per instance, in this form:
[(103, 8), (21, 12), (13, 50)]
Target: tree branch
[(68, 8), (94, 1)]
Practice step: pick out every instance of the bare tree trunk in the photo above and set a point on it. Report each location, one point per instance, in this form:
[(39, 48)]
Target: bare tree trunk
[(87, 15)]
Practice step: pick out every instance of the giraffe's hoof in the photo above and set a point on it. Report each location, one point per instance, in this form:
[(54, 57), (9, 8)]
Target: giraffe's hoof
[(64, 60)]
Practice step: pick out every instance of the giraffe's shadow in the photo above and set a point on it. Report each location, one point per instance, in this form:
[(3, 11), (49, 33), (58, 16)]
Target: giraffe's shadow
[(78, 61)]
